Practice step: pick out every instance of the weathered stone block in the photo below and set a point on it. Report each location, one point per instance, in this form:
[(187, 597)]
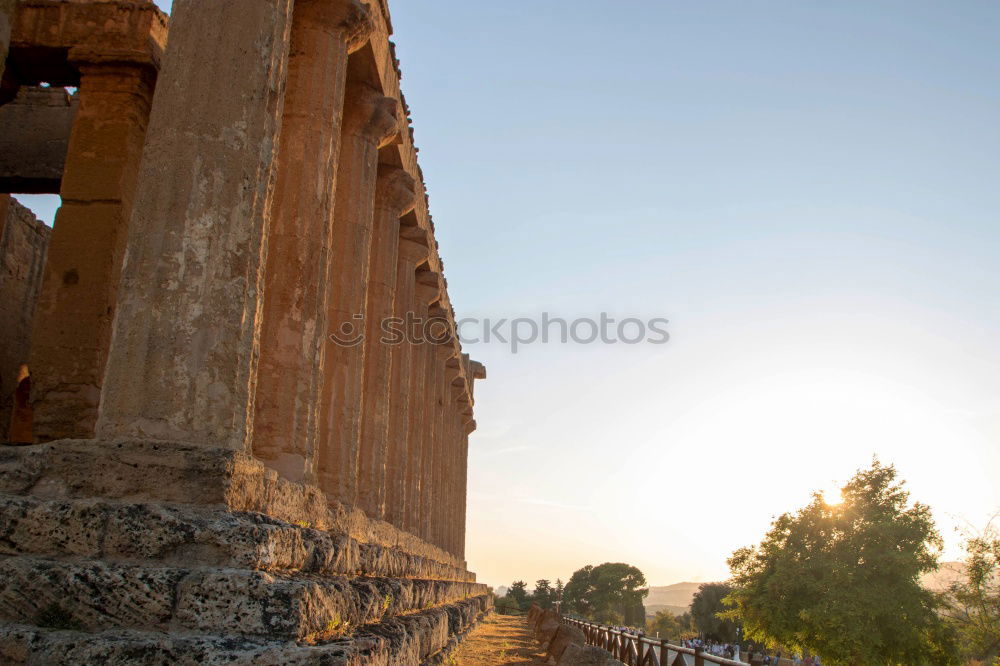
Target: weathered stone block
[(409, 639), (548, 623), (100, 596), (586, 655), (564, 637), (225, 479), (34, 137), (533, 612)]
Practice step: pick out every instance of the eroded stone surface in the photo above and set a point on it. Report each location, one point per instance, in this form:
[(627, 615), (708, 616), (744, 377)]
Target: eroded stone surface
[(564, 637), (410, 639), (82, 469), (98, 595), (548, 624), (179, 534), (23, 245), (34, 138), (586, 655)]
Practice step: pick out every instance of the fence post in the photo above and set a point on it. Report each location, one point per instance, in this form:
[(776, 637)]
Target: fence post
[(664, 657), (699, 660)]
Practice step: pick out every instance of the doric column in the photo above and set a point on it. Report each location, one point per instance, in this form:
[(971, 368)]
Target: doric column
[(403, 455), (476, 371), (370, 122), (394, 196), (443, 424), (454, 406), (72, 327), (468, 427), (293, 329), (430, 424), (183, 363), (420, 425), (446, 526)]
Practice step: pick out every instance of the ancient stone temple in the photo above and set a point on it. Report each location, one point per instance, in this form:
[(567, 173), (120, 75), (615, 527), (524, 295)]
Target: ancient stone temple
[(230, 366)]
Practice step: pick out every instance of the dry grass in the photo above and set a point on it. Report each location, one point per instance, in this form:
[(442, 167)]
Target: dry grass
[(500, 640)]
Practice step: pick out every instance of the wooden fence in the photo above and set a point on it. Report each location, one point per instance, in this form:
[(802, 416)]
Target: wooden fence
[(641, 650)]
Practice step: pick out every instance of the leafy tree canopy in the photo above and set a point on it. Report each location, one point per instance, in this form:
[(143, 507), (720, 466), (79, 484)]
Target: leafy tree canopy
[(543, 594), (973, 602), (611, 592), (674, 627), (705, 609), (842, 580), (519, 593)]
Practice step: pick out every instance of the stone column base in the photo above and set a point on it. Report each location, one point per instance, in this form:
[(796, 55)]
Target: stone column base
[(153, 552)]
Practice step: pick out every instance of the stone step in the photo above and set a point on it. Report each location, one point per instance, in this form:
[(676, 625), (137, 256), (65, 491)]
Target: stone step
[(94, 595), (185, 534), (180, 474), (416, 638)]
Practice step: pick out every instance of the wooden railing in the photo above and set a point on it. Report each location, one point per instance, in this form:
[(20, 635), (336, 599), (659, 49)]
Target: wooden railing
[(641, 650)]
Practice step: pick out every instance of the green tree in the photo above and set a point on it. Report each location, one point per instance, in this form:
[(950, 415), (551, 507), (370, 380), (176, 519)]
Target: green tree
[(519, 593), (843, 580), (667, 625), (973, 602), (557, 593), (507, 605), (611, 592), (543, 593), (705, 609), (578, 593)]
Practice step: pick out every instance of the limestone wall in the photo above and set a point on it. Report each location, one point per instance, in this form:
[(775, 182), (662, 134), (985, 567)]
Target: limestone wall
[(23, 245), (34, 138)]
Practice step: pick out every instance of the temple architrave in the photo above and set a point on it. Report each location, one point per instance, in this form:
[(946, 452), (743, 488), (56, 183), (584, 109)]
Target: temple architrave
[(235, 409)]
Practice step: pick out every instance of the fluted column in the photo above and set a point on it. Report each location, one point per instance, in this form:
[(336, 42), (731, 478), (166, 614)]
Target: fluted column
[(370, 122), (454, 407), (419, 425), (475, 371), (468, 427), (448, 481), (76, 305), (183, 363), (403, 454), (440, 494), (394, 196), (434, 378), (293, 330)]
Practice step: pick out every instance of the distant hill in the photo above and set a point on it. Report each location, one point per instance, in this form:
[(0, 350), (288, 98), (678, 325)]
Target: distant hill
[(940, 580), (676, 598), (651, 611)]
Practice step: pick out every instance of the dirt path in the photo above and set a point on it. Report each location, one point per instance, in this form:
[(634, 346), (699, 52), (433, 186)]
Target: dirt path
[(499, 640)]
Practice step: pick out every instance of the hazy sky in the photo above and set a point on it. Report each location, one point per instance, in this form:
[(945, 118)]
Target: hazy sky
[(807, 191)]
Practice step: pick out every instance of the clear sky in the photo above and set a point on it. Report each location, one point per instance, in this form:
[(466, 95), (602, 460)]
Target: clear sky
[(807, 191)]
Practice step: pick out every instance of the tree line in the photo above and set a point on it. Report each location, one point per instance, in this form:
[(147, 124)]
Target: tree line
[(609, 593)]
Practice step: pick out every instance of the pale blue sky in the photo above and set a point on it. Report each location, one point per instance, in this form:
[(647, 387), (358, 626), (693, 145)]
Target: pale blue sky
[(808, 191)]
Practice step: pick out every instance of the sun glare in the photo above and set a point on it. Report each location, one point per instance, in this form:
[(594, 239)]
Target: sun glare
[(832, 495)]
